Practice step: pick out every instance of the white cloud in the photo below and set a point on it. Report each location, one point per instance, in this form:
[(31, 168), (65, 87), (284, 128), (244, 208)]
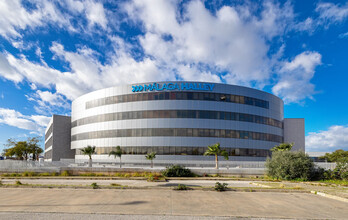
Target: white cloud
[(331, 13), (95, 14), (13, 118), (294, 77), (327, 14), (230, 45), (343, 35), (93, 10), (14, 17), (336, 137), (48, 102), (86, 73), (7, 70), (232, 41)]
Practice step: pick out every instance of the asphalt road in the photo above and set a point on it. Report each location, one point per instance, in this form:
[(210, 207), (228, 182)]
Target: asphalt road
[(164, 202)]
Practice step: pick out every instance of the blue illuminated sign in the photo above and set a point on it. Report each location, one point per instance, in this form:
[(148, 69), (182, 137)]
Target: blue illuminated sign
[(173, 86)]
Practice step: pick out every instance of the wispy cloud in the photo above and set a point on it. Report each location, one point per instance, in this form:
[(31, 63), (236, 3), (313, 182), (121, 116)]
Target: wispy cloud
[(35, 123), (234, 44), (336, 137)]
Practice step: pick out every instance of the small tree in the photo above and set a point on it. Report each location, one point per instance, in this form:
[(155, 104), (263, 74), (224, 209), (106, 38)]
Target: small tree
[(23, 149), (336, 156), (151, 156), (89, 150), (217, 151), (289, 165), (117, 153), (282, 147)]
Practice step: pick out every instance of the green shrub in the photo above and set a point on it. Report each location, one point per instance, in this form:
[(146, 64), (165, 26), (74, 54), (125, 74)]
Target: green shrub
[(289, 165), (317, 173), (153, 177), (95, 186), (65, 173), (177, 171), (26, 173), (181, 187), (220, 187), (341, 170), (18, 182)]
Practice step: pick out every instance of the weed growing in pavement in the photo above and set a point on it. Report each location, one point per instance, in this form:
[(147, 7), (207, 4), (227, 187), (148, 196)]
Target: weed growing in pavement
[(95, 186), (18, 182), (220, 187), (181, 187)]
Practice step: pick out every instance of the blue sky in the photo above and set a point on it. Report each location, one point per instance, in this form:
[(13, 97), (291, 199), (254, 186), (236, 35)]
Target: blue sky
[(54, 51)]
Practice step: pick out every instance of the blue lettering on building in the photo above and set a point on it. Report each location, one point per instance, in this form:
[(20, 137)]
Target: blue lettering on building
[(173, 86)]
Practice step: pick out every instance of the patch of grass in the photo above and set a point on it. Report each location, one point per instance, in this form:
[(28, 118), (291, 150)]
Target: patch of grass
[(45, 174), (87, 174), (65, 173), (336, 182), (26, 173), (115, 185), (220, 186), (18, 182), (297, 187), (95, 186), (181, 187), (154, 177)]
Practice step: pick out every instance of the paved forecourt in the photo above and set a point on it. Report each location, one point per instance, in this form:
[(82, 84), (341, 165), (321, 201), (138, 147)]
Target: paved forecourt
[(128, 182), (170, 202)]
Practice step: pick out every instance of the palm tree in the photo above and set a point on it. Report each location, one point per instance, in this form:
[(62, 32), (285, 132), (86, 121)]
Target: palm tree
[(151, 156), (282, 147), (117, 153), (217, 151), (89, 150)]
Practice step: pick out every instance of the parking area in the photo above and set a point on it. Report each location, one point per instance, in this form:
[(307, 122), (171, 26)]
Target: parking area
[(171, 203), (129, 182)]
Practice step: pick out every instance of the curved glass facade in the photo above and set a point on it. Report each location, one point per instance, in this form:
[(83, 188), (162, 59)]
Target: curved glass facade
[(177, 132), (149, 121), (181, 150), (198, 114), (201, 96)]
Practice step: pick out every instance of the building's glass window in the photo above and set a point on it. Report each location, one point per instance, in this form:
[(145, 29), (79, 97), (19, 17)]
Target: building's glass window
[(199, 114), (48, 154), (49, 143), (49, 131), (203, 96), (179, 150), (177, 132)]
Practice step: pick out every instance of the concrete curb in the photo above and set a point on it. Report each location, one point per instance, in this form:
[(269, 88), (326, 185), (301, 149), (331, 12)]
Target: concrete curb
[(330, 196), (258, 184)]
